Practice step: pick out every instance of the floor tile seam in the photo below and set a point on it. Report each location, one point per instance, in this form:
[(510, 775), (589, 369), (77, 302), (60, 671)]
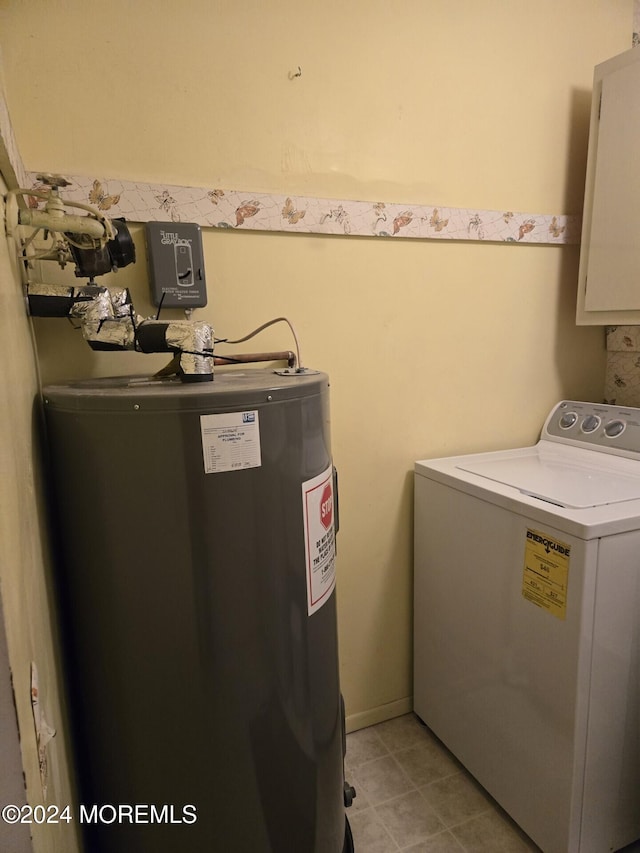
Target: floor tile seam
[(375, 737), (425, 837), (441, 752), (408, 744), (509, 823), (489, 808), (465, 775), (383, 824), (405, 776), (443, 826), (440, 779), (379, 746), (421, 789), (393, 841), (417, 742), (463, 849), (392, 799), (356, 767), (467, 820), (413, 786)]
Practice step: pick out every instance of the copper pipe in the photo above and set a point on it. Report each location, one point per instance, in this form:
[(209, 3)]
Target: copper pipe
[(248, 357)]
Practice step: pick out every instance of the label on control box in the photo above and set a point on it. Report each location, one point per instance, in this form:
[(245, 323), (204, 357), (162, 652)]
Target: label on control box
[(546, 572)]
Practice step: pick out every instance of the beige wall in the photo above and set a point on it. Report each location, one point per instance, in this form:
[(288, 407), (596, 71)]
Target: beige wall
[(24, 562), (433, 347), (448, 102)]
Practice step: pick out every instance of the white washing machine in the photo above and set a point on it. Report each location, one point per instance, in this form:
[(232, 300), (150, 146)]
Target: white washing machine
[(527, 624)]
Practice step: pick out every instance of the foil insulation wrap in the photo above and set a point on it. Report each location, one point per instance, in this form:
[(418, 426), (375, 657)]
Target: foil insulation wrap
[(194, 342), (110, 334), (57, 290), (121, 302), (94, 310), (57, 300), (108, 321)]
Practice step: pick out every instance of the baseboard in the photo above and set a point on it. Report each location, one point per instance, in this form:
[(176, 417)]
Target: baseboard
[(378, 715)]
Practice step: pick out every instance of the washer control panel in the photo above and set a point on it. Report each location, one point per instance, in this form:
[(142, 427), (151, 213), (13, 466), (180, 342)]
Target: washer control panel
[(615, 429)]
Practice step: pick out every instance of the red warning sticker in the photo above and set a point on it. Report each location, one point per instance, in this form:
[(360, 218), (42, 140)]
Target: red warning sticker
[(319, 539)]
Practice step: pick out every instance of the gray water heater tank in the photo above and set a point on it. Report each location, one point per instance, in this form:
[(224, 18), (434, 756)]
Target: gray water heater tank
[(196, 580)]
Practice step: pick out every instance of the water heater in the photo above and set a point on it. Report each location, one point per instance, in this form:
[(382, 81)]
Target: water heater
[(196, 580)]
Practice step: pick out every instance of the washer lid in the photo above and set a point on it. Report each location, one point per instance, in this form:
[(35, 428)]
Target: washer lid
[(577, 479)]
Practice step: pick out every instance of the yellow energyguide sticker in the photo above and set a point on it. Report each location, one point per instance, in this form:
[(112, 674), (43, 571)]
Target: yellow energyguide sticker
[(546, 572)]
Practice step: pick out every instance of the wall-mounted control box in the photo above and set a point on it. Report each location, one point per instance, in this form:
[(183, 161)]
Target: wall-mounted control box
[(176, 264)]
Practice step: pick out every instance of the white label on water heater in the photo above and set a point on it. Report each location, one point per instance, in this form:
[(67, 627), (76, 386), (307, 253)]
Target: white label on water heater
[(319, 538), (230, 441)]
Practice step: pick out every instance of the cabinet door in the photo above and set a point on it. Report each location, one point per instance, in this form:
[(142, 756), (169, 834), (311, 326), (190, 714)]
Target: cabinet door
[(609, 277)]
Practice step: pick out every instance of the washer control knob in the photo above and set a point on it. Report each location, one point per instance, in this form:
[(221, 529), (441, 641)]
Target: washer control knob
[(590, 423), (614, 428), (568, 420)]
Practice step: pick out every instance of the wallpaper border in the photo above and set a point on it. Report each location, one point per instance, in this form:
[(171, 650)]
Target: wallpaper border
[(252, 211)]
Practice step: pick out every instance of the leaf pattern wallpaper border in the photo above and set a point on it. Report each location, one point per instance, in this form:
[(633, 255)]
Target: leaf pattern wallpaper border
[(246, 211)]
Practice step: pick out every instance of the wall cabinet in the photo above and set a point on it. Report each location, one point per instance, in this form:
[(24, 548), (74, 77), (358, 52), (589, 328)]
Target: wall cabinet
[(609, 273)]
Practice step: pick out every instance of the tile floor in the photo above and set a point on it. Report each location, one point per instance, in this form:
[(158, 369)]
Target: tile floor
[(414, 796)]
